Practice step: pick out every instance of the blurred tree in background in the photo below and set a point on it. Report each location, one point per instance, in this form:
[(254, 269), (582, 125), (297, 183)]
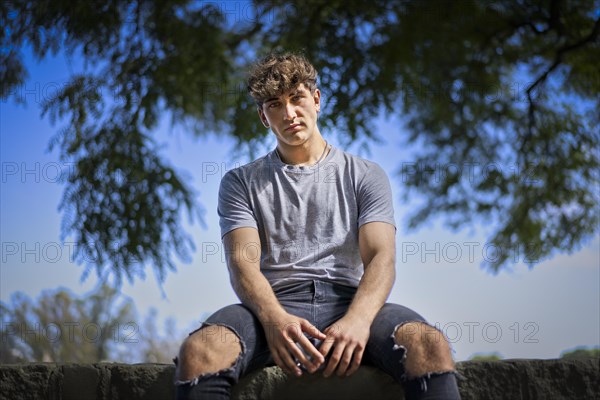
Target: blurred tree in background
[(159, 348), (487, 357), (98, 326), (582, 352), (60, 327), (499, 100)]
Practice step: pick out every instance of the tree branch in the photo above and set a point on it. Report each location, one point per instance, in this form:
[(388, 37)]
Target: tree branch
[(561, 52), (558, 59)]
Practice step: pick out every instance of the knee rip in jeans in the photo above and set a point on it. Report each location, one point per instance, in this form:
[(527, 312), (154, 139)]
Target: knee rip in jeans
[(426, 351), (206, 333)]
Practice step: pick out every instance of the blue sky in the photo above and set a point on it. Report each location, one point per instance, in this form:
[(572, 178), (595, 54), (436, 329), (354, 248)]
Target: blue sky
[(520, 312)]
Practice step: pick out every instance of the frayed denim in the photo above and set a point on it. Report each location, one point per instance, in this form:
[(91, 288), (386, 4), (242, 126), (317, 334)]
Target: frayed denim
[(322, 303)]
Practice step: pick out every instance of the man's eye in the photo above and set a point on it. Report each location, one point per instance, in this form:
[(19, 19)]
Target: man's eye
[(273, 105)]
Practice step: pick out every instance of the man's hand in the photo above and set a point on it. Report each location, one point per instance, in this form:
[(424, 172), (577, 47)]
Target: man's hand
[(346, 339), (285, 335)]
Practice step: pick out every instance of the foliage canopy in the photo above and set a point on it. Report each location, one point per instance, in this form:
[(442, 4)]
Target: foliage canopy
[(499, 99)]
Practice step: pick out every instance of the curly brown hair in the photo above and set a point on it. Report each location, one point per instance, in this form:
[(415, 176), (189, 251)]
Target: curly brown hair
[(278, 73)]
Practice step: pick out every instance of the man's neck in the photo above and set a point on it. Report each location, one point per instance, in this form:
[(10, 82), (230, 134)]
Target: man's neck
[(305, 154)]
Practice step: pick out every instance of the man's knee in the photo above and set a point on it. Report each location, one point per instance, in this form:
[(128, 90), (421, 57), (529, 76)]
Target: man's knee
[(208, 350), (427, 350)]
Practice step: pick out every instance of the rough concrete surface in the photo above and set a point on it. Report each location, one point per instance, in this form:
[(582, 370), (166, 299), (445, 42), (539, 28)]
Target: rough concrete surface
[(484, 380)]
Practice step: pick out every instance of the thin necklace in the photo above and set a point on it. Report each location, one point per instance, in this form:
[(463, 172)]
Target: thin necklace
[(318, 161)]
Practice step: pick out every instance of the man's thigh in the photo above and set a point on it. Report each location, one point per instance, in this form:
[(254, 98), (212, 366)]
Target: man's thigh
[(382, 350)]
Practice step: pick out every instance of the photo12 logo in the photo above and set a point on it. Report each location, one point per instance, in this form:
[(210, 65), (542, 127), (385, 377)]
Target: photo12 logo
[(36, 172), (490, 331), (54, 252), (70, 331), (472, 172), (455, 252)]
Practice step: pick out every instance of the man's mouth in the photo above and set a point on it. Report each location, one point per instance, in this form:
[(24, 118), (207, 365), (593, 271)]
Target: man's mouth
[(292, 127)]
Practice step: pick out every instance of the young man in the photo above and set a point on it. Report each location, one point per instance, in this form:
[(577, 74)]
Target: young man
[(309, 232)]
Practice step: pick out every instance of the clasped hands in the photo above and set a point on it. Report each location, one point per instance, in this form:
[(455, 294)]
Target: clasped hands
[(341, 349)]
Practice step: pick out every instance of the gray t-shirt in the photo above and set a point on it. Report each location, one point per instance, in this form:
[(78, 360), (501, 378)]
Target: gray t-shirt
[(307, 217)]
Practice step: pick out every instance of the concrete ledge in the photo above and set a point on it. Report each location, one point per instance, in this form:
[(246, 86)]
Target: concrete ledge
[(485, 380)]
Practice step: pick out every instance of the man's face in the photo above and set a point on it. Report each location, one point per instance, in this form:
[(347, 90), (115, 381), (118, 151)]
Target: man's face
[(293, 115)]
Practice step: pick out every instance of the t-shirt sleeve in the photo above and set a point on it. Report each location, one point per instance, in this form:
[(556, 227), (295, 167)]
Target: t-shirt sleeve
[(375, 202), (234, 208)]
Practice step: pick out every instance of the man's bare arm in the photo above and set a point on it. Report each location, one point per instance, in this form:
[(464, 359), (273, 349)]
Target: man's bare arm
[(242, 251), (283, 330), (348, 336), (377, 244)]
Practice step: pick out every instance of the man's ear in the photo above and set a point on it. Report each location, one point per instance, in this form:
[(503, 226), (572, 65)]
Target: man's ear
[(317, 99), (262, 117)]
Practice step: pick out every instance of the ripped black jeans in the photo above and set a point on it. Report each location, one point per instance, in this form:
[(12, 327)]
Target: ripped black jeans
[(322, 303)]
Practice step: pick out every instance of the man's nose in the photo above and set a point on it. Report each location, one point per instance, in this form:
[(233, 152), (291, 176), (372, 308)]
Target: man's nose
[(290, 112)]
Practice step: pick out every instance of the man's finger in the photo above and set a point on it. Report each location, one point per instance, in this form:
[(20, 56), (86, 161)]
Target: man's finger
[(297, 353), (292, 351), (329, 340), (336, 356), (326, 346), (312, 330), (345, 360), (314, 357), (278, 361), (289, 361), (306, 349), (355, 362)]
